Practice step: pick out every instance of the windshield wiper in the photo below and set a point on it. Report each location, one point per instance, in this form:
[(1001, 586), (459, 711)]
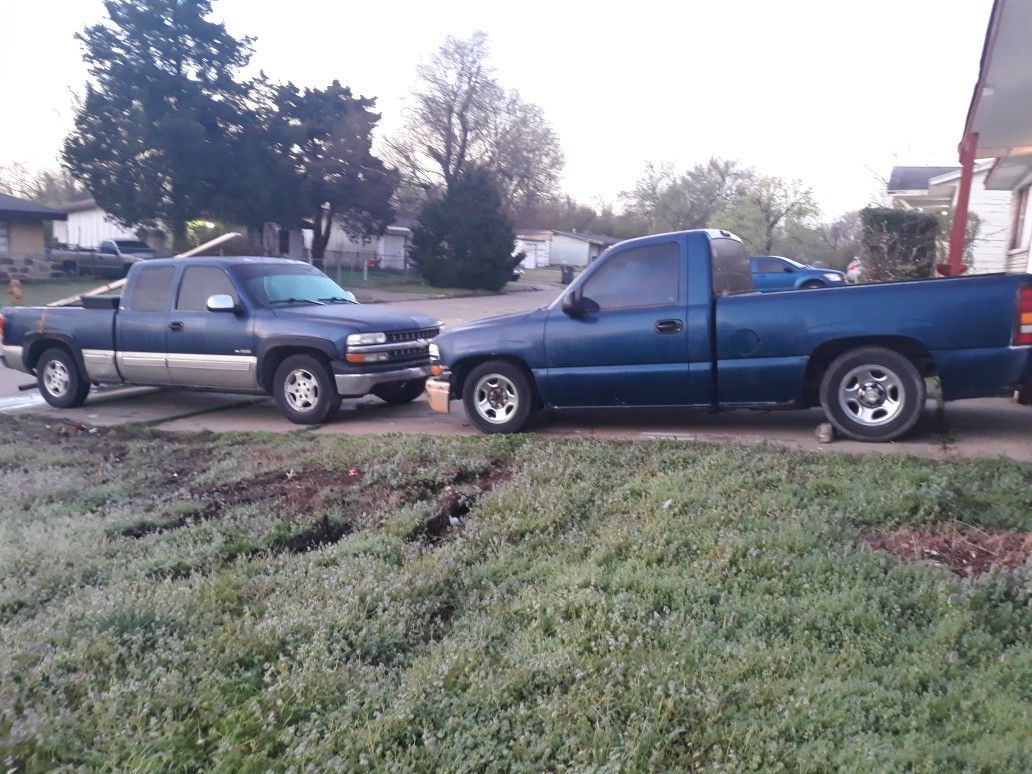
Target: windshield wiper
[(336, 300), (297, 301)]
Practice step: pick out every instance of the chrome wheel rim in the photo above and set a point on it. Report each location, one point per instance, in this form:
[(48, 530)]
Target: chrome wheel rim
[(871, 395), (495, 399), (302, 390), (56, 378)]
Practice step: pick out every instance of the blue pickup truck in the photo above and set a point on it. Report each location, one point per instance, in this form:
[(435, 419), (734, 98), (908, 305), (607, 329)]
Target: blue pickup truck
[(673, 321), (247, 325)]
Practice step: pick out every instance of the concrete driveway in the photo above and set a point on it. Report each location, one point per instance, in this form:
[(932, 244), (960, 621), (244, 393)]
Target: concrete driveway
[(987, 427)]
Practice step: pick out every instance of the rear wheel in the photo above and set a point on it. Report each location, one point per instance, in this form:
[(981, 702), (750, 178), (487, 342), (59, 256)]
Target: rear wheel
[(304, 390), (811, 284), (498, 397), (59, 380), (400, 392), (873, 394)]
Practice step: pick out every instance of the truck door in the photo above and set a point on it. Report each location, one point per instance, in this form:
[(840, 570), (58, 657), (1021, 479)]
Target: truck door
[(629, 347), (770, 274), (140, 326), (210, 349)]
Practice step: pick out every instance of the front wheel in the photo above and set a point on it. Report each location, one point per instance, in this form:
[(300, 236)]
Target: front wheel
[(812, 284), (498, 397), (872, 394), (304, 390), (401, 392), (59, 380)]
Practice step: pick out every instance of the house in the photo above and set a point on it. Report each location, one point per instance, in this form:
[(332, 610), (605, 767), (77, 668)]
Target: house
[(561, 248), (88, 225), (22, 230), (998, 127), (935, 189), (389, 251)]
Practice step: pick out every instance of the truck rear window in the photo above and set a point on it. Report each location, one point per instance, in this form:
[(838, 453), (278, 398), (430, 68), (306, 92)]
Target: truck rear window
[(150, 291), (731, 270)]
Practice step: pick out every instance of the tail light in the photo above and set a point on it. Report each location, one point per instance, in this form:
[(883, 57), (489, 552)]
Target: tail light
[(1023, 327)]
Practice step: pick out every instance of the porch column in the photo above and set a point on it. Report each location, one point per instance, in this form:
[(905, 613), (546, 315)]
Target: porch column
[(955, 264)]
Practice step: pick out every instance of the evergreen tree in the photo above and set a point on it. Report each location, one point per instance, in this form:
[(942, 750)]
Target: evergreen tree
[(464, 239)]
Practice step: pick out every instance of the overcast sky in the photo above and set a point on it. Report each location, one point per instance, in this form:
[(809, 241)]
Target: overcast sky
[(833, 93)]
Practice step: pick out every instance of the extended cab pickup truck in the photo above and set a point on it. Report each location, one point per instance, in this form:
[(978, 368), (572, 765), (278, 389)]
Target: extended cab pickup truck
[(673, 321), (248, 325)]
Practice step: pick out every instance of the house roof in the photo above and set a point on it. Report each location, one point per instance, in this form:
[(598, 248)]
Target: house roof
[(915, 178), (1000, 112), (11, 207), (587, 236), (81, 205)]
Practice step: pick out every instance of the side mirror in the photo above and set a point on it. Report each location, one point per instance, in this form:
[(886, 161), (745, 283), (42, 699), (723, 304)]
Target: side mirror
[(572, 304), (222, 302)]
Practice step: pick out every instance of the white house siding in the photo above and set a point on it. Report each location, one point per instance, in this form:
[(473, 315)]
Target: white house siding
[(536, 252), (88, 228), (569, 251), (390, 249), (993, 208), (1019, 259)]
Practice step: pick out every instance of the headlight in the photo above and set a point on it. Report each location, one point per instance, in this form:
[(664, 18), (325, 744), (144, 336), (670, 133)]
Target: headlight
[(833, 277), (361, 339), (435, 351)]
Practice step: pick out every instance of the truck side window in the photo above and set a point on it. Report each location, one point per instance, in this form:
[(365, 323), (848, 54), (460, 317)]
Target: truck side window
[(731, 272), (638, 277), (107, 248), (200, 282), (151, 289)]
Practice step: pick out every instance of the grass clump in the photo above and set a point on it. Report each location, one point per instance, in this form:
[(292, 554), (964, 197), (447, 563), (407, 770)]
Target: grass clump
[(412, 603)]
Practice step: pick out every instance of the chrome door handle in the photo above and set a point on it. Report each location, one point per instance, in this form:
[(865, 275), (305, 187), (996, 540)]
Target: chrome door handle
[(175, 327), (669, 326)]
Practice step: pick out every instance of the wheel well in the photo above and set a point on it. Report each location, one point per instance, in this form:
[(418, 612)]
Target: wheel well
[(37, 348), (275, 356), (461, 370), (823, 356)]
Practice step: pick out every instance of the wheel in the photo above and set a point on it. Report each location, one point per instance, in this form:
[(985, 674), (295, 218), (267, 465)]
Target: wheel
[(872, 394), (400, 392), (71, 268), (60, 382), (304, 390), (498, 397), (811, 284)]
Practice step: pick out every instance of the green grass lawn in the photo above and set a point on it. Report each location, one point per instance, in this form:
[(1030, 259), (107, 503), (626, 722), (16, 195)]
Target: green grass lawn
[(255, 602), (40, 293)]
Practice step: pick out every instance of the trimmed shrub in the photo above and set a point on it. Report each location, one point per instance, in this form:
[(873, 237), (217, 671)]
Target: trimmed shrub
[(464, 239), (898, 244)]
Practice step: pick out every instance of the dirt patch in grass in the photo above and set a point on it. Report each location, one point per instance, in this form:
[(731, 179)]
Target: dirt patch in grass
[(967, 551), (457, 499), (285, 490)]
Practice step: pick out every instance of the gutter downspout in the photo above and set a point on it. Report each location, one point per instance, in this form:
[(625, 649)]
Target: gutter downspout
[(955, 264)]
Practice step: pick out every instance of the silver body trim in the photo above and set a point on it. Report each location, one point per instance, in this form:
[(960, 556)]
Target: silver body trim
[(13, 358), (100, 365), (143, 367), (237, 372), (355, 385), (389, 347)]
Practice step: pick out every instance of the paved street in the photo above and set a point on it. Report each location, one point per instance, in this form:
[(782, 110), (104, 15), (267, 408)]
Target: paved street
[(985, 427)]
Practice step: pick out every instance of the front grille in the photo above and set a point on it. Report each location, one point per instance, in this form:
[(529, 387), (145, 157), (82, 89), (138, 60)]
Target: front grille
[(408, 352), (423, 333)]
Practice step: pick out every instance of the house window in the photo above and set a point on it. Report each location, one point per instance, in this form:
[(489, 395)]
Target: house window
[(5, 237), (1018, 223)]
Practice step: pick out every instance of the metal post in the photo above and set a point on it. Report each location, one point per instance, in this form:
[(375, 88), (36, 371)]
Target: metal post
[(955, 264)]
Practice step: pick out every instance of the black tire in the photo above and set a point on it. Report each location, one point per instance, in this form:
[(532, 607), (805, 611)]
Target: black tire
[(400, 392), (873, 394), (305, 391), (59, 379), (499, 397), (811, 284)]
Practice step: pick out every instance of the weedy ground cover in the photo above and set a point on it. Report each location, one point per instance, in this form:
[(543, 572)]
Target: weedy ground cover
[(296, 601)]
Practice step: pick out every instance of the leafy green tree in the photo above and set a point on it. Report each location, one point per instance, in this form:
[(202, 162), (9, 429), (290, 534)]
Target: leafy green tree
[(323, 139), (155, 135), (765, 208), (464, 239), (666, 201)]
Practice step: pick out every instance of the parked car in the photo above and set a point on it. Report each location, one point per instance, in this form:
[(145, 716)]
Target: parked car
[(112, 257), (248, 325), (672, 321), (773, 272), (855, 271)]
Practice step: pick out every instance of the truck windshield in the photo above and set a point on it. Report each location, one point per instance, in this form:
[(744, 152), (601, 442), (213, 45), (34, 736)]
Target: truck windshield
[(290, 284)]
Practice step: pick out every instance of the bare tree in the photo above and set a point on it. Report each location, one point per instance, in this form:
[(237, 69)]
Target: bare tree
[(670, 202), (43, 186), (462, 118)]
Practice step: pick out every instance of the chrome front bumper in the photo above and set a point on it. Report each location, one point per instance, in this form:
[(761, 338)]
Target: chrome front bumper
[(356, 385)]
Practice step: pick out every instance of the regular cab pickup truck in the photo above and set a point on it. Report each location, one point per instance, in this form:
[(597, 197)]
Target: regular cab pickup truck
[(673, 321), (247, 325)]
